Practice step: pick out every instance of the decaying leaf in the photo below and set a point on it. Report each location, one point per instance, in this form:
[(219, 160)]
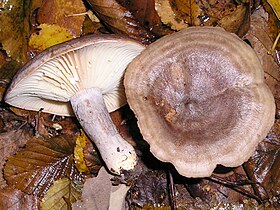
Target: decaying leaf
[(179, 14), (34, 169), (61, 195), (150, 188), (120, 21), (14, 18), (10, 141), (263, 166), (187, 10), (14, 133), (275, 5), (81, 143), (273, 24), (47, 36), (145, 12), (238, 21), (167, 15), (64, 14), (100, 194), (228, 14), (13, 199), (86, 156), (8, 68), (259, 37)]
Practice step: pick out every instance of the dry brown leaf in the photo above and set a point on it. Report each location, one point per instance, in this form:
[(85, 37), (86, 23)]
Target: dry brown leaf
[(8, 68), (263, 166), (144, 11), (258, 35), (233, 17), (10, 142), (63, 13), (150, 188), (100, 194), (96, 192), (273, 23), (238, 21), (179, 14), (120, 21), (167, 15), (34, 169), (12, 199), (187, 10)]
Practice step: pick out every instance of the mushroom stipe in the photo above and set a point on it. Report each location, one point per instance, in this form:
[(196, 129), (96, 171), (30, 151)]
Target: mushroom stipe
[(86, 73)]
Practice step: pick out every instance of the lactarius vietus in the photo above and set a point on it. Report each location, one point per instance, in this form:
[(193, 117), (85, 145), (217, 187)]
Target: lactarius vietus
[(88, 73), (200, 99)]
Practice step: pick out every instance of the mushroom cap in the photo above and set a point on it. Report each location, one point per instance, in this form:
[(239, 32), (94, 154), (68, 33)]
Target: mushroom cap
[(50, 79), (200, 99)]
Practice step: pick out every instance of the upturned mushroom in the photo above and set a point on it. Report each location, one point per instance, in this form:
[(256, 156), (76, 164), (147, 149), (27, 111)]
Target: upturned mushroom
[(84, 77), (200, 99)]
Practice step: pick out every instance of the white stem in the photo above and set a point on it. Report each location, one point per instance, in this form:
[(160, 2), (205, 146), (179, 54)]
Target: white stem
[(89, 107)]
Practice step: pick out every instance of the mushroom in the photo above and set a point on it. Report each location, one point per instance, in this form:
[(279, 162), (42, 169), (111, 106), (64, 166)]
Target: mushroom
[(200, 99), (88, 73)]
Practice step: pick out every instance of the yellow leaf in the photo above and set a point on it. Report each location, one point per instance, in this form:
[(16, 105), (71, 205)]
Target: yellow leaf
[(48, 36), (275, 5), (14, 17), (79, 153), (167, 15), (187, 10), (60, 196)]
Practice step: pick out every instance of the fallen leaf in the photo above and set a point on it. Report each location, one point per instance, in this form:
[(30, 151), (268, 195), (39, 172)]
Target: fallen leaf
[(8, 68), (48, 36), (99, 194), (145, 12), (120, 21), (10, 142), (13, 199), (61, 195), (91, 24), (263, 166), (150, 188), (275, 5), (274, 25), (261, 42), (34, 169), (167, 15), (187, 10), (117, 197), (231, 15), (91, 157), (14, 33), (81, 143), (63, 13), (237, 22)]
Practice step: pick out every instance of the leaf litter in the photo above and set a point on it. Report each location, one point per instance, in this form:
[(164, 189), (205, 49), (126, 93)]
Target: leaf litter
[(39, 168)]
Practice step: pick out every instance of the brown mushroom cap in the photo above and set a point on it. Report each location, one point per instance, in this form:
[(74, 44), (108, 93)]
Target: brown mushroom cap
[(200, 99)]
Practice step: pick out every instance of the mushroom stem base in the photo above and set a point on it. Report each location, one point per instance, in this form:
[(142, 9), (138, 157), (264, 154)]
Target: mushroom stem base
[(90, 109)]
